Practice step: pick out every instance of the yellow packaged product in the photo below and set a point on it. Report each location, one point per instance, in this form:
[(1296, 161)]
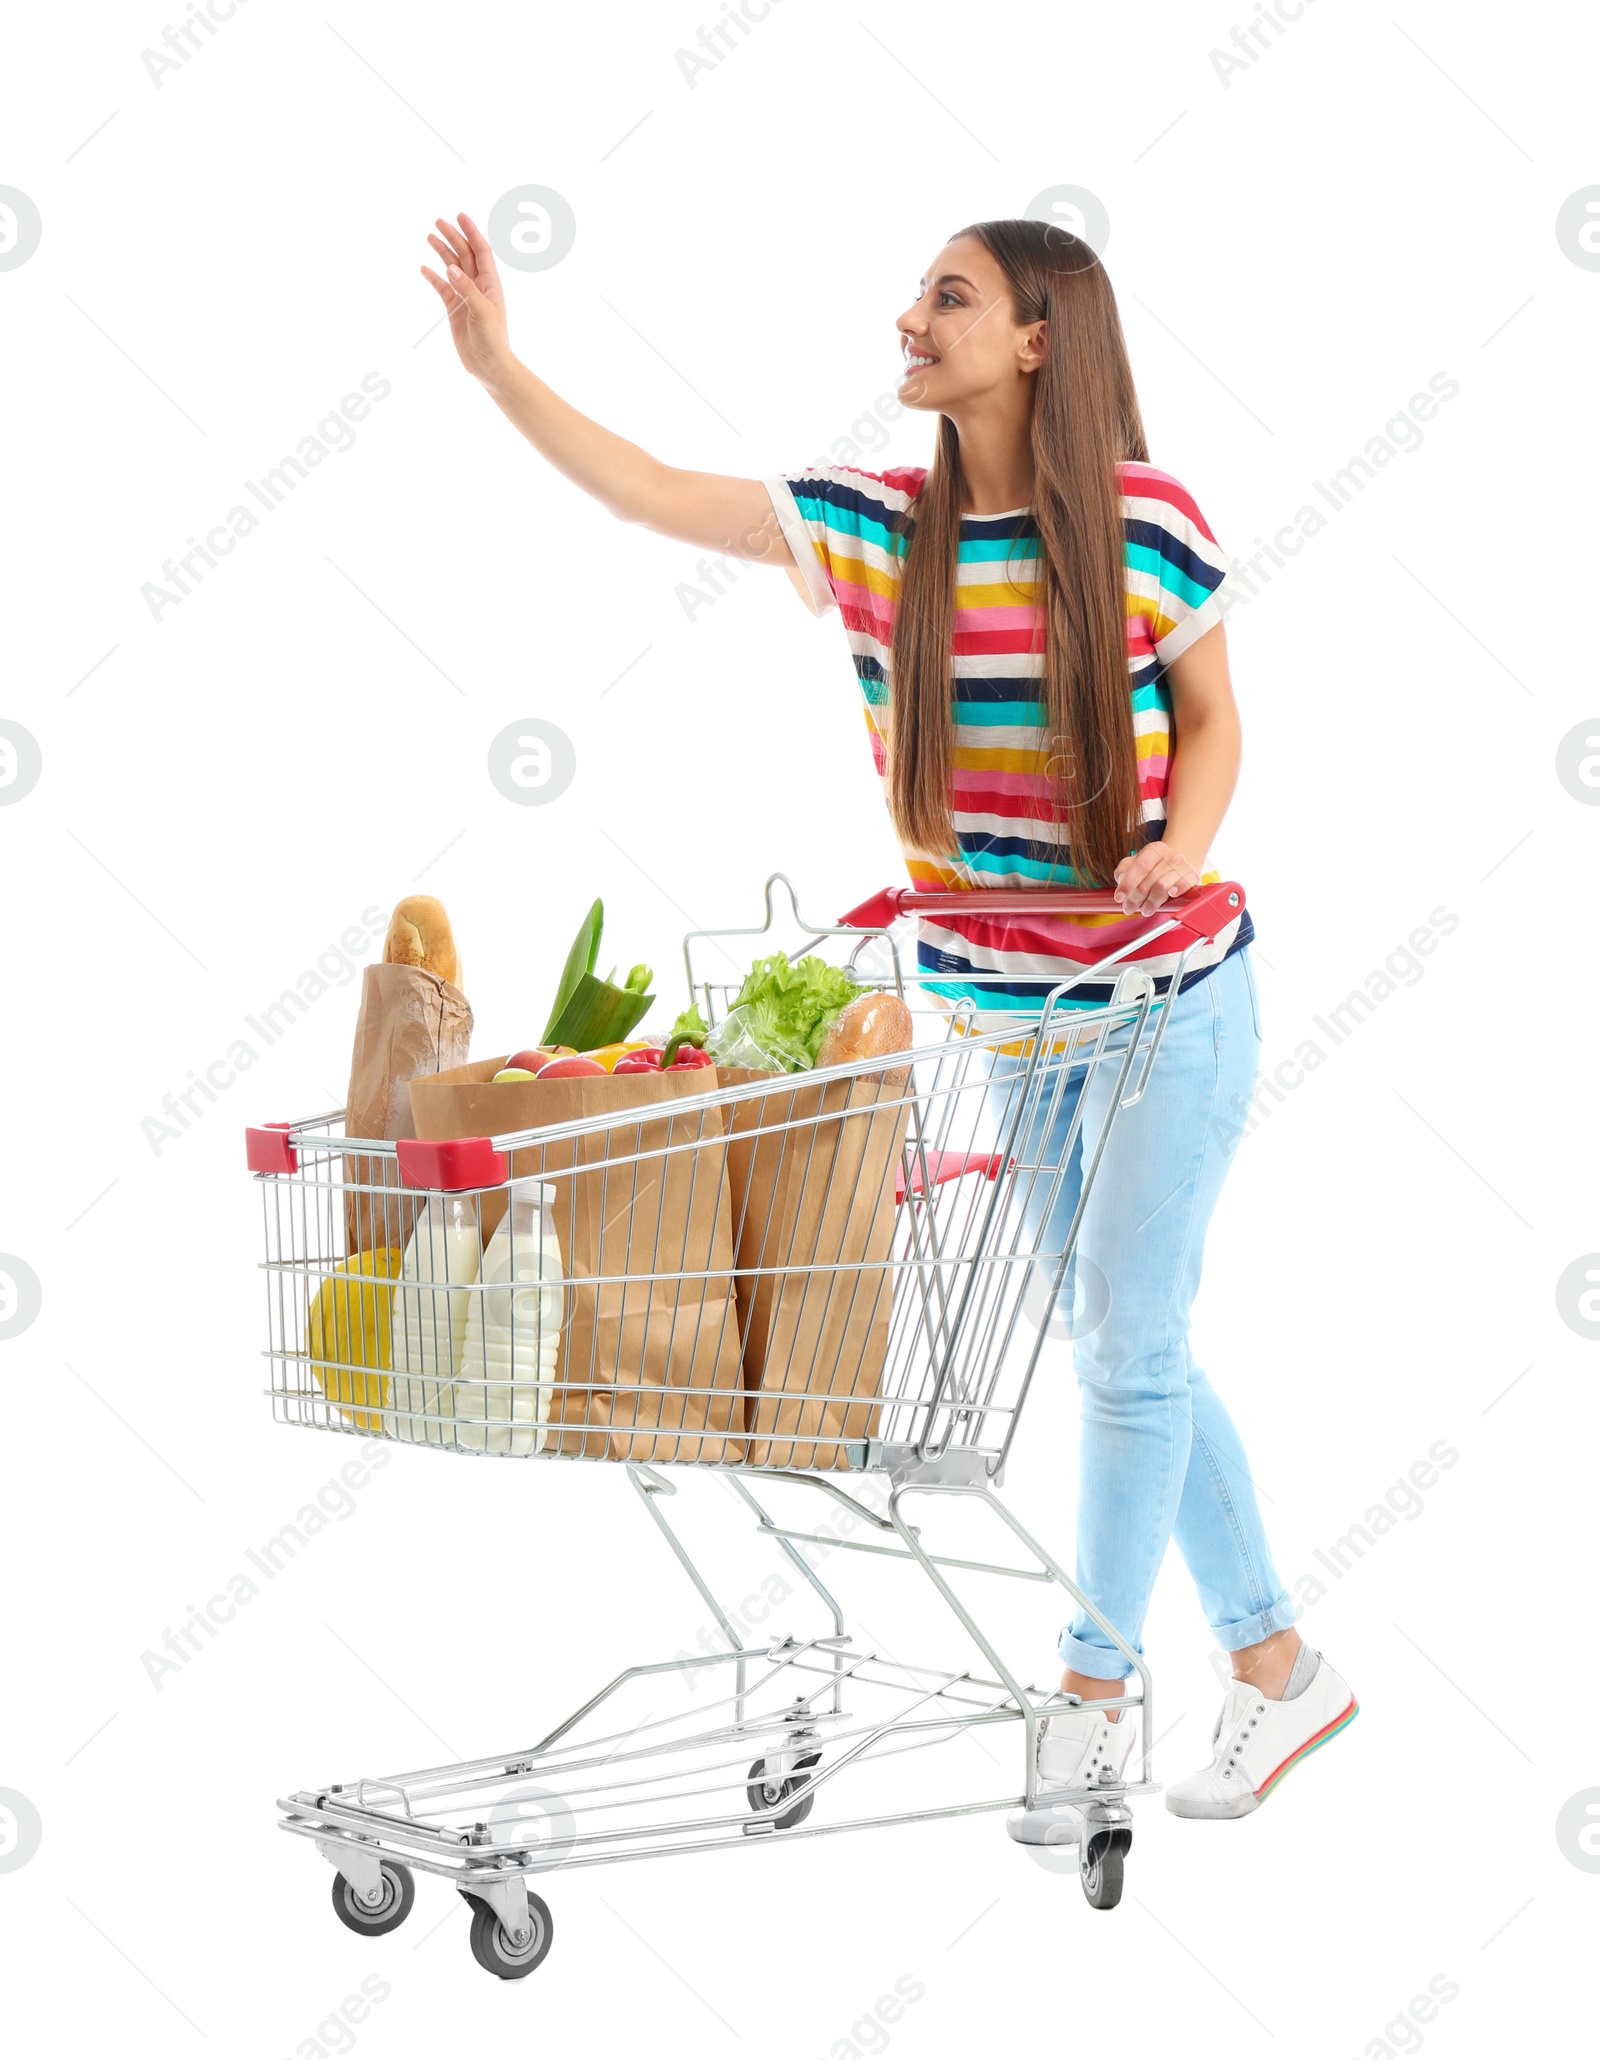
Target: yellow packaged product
[(350, 1335)]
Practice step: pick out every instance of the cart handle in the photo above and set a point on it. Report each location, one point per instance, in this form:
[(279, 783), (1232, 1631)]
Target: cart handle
[(1203, 911)]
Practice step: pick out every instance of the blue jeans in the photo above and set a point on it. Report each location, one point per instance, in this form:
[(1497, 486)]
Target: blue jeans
[(1159, 1457)]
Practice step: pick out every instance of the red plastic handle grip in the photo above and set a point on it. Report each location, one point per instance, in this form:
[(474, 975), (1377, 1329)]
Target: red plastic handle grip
[(943, 1166), (267, 1149), (452, 1164), (1203, 910)]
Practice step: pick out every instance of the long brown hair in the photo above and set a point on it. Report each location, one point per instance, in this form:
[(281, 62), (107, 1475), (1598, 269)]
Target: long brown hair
[(1085, 421)]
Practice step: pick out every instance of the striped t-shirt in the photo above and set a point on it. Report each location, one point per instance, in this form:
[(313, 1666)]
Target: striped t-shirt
[(838, 523)]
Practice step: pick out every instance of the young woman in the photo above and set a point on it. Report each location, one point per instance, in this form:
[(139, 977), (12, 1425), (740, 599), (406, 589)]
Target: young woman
[(1037, 632)]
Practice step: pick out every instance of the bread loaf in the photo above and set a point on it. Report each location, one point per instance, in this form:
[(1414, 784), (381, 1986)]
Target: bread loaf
[(866, 1028), (412, 1019), (419, 935)]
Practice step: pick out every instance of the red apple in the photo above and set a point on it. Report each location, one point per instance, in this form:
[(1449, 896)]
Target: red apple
[(575, 1067), (538, 1055)]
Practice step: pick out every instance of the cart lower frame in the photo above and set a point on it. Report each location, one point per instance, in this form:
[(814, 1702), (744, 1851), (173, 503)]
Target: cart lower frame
[(607, 1797)]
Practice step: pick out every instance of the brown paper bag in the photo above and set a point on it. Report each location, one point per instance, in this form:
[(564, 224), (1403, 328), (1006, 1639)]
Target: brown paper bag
[(409, 1022), (821, 1195), (649, 1368)]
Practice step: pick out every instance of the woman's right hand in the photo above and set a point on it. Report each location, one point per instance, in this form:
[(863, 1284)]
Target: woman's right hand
[(708, 509), (471, 292)]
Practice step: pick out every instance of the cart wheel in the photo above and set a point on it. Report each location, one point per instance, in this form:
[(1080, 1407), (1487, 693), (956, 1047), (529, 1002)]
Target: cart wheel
[(492, 1946), (391, 1909), (1100, 1870), (770, 1794)]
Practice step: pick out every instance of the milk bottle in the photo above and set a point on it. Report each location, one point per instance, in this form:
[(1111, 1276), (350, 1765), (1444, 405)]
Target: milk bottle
[(508, 1360), (430, 1318)]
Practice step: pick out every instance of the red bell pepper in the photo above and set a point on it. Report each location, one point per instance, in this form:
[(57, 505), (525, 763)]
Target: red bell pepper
[(688, 1060)]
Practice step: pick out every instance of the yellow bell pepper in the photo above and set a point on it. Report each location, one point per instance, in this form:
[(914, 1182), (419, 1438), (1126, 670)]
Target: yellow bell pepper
[(608, 1054)]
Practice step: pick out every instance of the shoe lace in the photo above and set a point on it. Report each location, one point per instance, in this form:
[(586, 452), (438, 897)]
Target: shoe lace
[(1247, 1713)]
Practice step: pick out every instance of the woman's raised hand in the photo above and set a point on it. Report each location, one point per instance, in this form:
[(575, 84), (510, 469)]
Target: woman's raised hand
[(471, 292), (708, 509)]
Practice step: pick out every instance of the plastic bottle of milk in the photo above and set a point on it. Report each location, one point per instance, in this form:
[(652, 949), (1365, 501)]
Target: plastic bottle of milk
[(430, 1321), (507, 1367)]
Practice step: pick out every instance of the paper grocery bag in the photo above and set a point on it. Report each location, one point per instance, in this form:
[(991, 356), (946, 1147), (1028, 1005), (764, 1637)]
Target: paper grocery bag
[(649, 1365), (409, 1022), (818, 1196)]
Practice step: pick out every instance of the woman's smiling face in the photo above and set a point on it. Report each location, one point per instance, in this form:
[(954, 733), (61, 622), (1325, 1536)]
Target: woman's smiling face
[(960, 338)]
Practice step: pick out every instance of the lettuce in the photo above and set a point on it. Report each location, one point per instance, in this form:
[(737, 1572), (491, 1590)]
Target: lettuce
[(786, 1009)]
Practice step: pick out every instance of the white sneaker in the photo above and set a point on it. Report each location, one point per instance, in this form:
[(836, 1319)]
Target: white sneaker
[(1258, 1740), (1082, 1748)]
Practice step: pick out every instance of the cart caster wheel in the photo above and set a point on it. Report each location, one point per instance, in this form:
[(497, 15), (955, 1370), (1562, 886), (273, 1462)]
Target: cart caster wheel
[(392, 1908), (1100, 1870), (495, 1949), (768, 1794)]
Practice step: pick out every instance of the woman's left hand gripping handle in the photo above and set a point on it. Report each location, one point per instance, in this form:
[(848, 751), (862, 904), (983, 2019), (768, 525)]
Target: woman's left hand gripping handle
[(1150, 876)]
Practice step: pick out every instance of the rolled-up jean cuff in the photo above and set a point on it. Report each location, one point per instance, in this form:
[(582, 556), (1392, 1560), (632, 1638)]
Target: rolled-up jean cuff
[(1251, 1630), (1099, 1662)]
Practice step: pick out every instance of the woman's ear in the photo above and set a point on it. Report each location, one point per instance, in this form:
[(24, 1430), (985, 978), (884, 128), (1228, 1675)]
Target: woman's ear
[(1033, 346)]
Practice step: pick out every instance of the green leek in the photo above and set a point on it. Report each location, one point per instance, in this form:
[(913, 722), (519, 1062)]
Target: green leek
[(589, 1012)]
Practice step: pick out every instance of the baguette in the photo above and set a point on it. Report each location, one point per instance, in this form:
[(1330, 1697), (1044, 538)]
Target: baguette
[(420, 935)]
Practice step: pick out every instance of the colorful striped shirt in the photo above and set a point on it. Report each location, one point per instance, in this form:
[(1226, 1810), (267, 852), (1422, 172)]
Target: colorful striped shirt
[(839, 526)]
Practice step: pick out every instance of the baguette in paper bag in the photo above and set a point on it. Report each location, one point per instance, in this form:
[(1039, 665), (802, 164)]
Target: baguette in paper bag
[(411, 1021)]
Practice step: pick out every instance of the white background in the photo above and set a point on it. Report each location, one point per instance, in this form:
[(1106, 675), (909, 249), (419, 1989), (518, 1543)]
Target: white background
[(1371, 202)]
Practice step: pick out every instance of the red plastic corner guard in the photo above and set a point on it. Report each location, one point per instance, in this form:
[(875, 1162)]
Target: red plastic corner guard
[(451, 1164), (1206, 910), (876, 914), (267, 1149)]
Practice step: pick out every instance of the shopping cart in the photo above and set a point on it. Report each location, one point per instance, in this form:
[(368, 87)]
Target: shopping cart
[(872, 1338)]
